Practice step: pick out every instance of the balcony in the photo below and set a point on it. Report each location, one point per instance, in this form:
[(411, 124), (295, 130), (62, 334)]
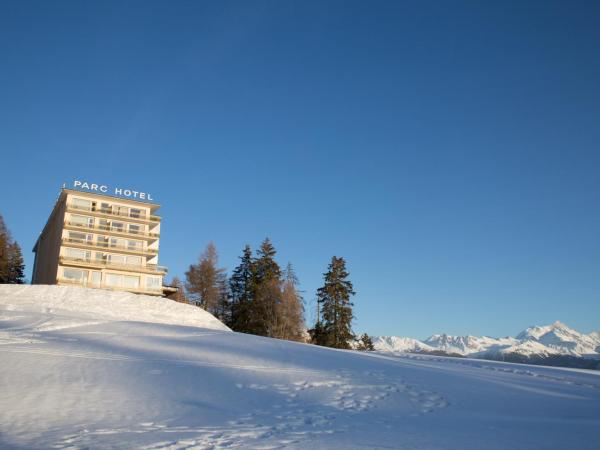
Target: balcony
[(105, 263), (112, 230), (78, 243), (85, 283), (108, 212)]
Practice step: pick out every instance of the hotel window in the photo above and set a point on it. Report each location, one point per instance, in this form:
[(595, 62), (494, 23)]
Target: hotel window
[(100, 256), (137, 213), (117, 259), (134, 260), (118, 226), (117, 280), (78, 254), (131, 281), (112, 279), (134, 229), (153, 283), (80, 203), (121, 210), (76, 275), (96, 278), (82, 221), (116, 242), (104, 224), (105, 208), (80, 237), (134, 245), (102, 241)]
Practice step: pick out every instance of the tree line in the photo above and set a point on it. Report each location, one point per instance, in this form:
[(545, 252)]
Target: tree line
[(262, 298), (12, 267)]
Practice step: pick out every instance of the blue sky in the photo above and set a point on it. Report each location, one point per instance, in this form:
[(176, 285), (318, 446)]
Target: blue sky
[(448, 150)]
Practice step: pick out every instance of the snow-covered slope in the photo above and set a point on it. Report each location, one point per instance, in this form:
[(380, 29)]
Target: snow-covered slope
[(550, 340), (101, 305), (101, 380)]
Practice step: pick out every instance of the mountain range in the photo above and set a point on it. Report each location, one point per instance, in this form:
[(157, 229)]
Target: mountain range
[(555, 343)]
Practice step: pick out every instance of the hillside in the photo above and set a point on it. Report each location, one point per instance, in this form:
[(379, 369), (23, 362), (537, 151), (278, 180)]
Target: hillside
[(92, 369)]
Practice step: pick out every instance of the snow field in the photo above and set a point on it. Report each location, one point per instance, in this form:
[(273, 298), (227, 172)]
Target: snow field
[(76, 380)]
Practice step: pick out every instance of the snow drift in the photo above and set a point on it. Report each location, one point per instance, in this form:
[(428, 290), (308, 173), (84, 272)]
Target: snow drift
[(84, 369)]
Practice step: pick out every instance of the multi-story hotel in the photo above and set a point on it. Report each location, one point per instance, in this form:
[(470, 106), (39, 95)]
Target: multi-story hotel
[(101, 241)]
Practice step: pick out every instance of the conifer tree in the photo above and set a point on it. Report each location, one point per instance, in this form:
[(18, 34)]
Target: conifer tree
[(12, 267), (242, 291), (202, 280), (16, 266), (335, 327), (262, 315), (266, 266), (4, 258), (223, 312), (365, 343)]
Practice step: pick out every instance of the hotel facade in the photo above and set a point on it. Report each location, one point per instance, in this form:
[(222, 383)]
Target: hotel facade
[(101, 241)]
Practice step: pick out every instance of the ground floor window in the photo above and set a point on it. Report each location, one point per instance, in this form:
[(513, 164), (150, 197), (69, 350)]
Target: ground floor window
[(153, 283), (76, 275), (96, 277), (126, 281)]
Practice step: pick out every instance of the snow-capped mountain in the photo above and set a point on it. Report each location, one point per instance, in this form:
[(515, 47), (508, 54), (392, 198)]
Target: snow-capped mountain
[(466, 345), (401, 344), (556, 339), (562, 339)]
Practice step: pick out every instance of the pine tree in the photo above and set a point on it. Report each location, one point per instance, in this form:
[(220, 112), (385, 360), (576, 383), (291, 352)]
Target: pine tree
[(16, 266), (178, 296), (262, 315), (242, 292), (12, 267), (4, 258), (223, 312), (202, 280), (335, 329), (266, 266), (365, 343)]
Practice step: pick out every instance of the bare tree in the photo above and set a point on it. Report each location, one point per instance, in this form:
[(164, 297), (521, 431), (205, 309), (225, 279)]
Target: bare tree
[(203, 280), (178, 296)]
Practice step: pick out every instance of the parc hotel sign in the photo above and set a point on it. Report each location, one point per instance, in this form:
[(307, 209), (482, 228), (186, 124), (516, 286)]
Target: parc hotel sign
[(117, 191)]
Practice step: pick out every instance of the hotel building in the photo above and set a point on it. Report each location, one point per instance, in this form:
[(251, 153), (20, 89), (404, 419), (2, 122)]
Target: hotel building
[(100, 241)]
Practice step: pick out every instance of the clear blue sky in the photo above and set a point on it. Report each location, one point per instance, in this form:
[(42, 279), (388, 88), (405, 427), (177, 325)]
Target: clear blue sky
[(450, 151)]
